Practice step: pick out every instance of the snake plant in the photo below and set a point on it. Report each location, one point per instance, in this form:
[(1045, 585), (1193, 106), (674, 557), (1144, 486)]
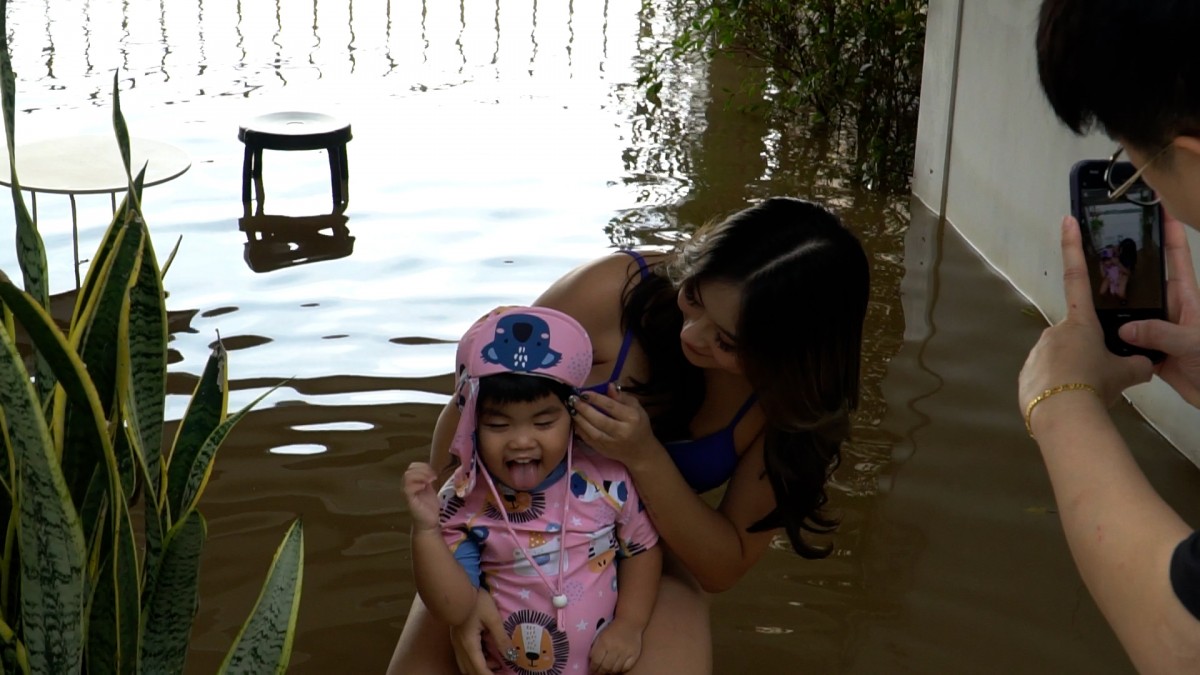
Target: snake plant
[(82, 449)]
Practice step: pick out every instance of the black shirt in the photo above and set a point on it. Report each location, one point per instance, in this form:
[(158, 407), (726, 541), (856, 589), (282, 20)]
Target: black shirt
[(1185, 573)]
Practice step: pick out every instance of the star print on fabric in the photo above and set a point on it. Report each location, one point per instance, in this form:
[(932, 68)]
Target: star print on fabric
[(576, 521), (582, 625), (524, 593)]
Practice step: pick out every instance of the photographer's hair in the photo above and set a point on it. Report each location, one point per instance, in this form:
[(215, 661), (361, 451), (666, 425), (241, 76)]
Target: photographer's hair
[(518, 388), (805, 280), (1127, 66)]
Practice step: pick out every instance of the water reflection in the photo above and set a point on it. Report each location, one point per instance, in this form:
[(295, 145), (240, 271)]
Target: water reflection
[(497, 146), (276, 242)]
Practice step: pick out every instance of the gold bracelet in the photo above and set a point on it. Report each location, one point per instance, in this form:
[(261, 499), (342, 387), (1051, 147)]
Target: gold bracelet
[(1074, 386)]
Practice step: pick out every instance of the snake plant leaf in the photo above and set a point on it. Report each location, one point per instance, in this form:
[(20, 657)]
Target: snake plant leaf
[(142, 364), (13, 657), (152, 512), (95, 347), (114, 623), (122, 132), (120, 222), (202, 462), (72, 376), (31, 251), (172, 602), (49, 535), (205, 412), (264, 644)]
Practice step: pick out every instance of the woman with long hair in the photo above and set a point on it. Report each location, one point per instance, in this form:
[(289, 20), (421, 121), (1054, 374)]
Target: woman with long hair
[(732, 361)]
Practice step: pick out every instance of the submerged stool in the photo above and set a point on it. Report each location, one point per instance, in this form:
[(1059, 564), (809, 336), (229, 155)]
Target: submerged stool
[(296, 131)]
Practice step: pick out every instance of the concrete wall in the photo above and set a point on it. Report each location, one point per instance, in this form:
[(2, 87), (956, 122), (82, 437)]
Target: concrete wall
[(993, 160)]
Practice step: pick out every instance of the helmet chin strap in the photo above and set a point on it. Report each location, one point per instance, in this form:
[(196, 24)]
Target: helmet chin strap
[(557, 597)]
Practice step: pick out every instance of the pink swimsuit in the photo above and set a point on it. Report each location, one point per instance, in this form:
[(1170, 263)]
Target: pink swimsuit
[(605, 522)]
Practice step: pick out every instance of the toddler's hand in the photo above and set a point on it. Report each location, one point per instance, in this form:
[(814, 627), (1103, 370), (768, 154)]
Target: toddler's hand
[(421, 494), (616, 648)]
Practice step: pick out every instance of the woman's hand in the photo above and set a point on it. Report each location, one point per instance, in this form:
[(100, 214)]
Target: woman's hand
[(420, 492), (616, 648), (616, 425), (1179, 337), (467, 638), (1073, 351)]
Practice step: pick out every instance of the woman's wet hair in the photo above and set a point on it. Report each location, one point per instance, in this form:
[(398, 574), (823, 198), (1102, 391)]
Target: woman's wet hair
[(504, 388), (1127, 66), (804, 282)]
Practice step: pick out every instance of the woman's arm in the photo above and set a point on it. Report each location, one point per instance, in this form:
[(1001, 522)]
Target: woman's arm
[(712, 543)]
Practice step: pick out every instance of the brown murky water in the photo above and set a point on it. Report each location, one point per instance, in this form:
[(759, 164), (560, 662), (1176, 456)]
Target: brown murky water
[(495, 148)]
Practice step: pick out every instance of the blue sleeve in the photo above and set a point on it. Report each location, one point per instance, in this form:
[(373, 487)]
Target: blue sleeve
[(467, 555), (1185, 573)]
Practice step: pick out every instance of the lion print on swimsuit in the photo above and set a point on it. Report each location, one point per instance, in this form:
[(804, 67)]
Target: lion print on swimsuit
[(522, 507), (541, 648)]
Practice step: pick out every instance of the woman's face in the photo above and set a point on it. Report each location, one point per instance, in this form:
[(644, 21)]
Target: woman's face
[(710, 317)]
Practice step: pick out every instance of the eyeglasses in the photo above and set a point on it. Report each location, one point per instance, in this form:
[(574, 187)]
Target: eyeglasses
[(1116, 192)]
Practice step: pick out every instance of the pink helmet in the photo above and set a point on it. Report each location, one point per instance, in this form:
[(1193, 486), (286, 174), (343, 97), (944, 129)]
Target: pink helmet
[(525, 340)]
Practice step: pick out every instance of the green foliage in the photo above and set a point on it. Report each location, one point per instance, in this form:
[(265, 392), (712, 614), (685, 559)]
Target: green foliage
[(854, 63), (81, 434)]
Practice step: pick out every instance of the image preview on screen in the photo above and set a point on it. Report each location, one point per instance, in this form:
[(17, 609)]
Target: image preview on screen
[(1125, 252)]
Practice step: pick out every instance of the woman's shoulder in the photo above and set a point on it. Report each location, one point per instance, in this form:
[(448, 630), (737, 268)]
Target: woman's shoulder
[(601, 274), (592, 293)]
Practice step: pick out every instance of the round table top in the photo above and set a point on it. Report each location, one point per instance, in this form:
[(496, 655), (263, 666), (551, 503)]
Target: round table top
[(295, 123), (91, 164)]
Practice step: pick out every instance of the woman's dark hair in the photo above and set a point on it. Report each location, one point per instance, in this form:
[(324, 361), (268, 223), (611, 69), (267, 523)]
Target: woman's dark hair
[(517, 388), (804, 283), (1127, 65)]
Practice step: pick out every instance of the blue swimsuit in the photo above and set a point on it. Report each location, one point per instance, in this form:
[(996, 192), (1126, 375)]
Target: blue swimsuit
[(704, 462)]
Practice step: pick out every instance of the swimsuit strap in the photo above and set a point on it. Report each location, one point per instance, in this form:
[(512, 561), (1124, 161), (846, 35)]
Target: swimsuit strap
[(742, 411), (642, 266), (627, 340)]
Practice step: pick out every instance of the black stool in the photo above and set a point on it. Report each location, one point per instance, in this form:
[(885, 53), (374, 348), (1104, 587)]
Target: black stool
[(296, 131)]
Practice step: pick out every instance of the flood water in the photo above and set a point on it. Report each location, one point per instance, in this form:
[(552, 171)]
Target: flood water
[(496, 147)]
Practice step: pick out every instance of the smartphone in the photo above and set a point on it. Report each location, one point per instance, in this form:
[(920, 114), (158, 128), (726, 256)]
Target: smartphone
[(1123, 243)]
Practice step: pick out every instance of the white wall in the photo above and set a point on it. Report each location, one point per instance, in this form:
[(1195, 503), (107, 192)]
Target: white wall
[(993, 160)]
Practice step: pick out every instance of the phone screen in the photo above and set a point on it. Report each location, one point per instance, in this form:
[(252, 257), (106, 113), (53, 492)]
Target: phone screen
[(1124, 250)]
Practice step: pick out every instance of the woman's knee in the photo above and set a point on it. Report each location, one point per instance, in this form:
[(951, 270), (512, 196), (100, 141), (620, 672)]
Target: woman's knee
[(424, 645)]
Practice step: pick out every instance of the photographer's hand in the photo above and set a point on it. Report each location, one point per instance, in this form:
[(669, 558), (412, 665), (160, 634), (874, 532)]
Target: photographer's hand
[(1073, 351), (1179, 337)]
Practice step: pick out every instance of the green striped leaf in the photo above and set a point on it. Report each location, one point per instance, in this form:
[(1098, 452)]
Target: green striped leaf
[(68, 369), (204, 414), (95, 348), (202, 463), (13, 657), (31, 252), (142, 364), (122, 132), (49, 537), (96, 269), (264, 644), (115, 614), (152, 513), (172, 602)]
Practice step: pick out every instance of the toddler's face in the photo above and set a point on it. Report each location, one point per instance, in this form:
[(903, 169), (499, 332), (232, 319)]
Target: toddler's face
[(521, 443)]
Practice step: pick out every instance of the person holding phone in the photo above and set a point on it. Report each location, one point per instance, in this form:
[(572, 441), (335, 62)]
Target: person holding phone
[(1139, 559)]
